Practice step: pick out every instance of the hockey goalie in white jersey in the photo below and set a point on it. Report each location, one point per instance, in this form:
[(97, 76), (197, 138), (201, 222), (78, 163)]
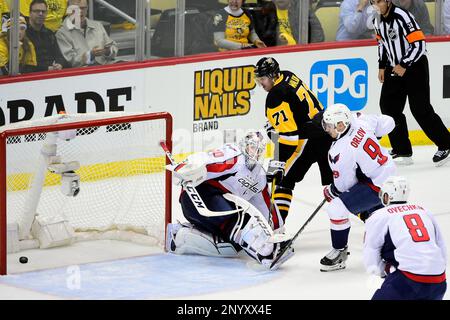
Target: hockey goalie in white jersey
[(360, 166), (404, 244), (228, 179)]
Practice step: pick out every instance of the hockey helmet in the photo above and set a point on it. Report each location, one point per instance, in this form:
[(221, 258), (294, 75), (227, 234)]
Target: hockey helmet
[(253, 146), (333, 115), (267, 67), (396, 188)]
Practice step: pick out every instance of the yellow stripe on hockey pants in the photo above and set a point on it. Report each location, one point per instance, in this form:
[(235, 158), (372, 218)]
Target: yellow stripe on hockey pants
[(282, 199)]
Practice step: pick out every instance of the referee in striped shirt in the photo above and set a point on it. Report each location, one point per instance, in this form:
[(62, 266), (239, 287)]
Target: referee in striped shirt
[(403, 71)]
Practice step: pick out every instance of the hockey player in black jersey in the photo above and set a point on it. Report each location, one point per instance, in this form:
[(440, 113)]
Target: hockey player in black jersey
[(293, 114)]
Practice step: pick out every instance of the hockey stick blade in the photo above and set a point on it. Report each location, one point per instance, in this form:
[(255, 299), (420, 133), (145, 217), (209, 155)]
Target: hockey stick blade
[(197, 201), (289, 244)]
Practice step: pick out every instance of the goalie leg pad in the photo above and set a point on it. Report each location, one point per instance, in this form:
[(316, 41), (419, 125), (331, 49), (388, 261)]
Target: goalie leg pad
[(259, 244), (186, 239), (254, 234), (254, 239)]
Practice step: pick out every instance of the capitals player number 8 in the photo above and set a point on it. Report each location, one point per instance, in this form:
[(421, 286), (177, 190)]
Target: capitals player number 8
[(416, 228)]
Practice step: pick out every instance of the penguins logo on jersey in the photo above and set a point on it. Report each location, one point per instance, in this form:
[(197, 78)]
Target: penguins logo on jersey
[(217, 19)]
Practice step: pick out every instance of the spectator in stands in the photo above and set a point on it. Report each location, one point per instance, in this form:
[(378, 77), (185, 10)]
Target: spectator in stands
[(278, 23), (315, 30), (4, 8), (419, 11), (83, 41), (27, 53), (234, 29), (353, 18), (48, 55), (446, 17), (56, 9)]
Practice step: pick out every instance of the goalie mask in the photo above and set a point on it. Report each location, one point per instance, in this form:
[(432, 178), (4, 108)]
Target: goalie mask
[(253, 146)]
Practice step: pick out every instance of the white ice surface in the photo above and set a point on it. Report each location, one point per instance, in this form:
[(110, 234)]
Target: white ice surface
[(299, 278)]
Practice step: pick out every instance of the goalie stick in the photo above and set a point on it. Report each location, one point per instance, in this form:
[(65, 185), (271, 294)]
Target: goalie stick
[(195, 196), (288, 245)]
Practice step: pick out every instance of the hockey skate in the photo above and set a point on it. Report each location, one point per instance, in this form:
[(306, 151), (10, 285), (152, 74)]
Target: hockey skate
[(441, 157), (334, 260), (401, 159)]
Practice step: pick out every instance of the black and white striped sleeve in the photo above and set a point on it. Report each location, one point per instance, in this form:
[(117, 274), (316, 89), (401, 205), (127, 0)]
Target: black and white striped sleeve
[(382, 55), (414, 36)]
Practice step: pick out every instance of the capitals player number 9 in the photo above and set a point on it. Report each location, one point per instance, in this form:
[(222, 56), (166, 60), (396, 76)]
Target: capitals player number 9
[(373, 150)]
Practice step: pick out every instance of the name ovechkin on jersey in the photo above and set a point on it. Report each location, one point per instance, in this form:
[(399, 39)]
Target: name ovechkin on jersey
[(403, 208)]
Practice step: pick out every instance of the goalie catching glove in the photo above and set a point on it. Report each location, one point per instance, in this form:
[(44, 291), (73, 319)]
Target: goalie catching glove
[(188, 172)]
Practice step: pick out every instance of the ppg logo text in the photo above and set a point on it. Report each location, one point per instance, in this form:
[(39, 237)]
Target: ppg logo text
[(341, 81)]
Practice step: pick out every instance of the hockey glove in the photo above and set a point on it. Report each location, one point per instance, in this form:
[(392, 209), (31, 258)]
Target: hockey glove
[(330, 192), (275, 171), (388, 269), (270, 130)]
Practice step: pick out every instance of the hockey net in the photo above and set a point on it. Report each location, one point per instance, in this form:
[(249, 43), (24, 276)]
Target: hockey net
[(97, 175)]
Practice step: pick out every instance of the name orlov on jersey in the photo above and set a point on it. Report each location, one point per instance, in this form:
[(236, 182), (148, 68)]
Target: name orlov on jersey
[(341, 81)]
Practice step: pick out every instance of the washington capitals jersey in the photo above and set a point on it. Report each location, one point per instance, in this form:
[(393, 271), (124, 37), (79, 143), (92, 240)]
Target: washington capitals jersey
[(407, 237), (227, 171), (357, 155)]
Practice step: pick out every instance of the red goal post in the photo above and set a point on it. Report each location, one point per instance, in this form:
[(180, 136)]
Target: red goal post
[(117, 159)]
